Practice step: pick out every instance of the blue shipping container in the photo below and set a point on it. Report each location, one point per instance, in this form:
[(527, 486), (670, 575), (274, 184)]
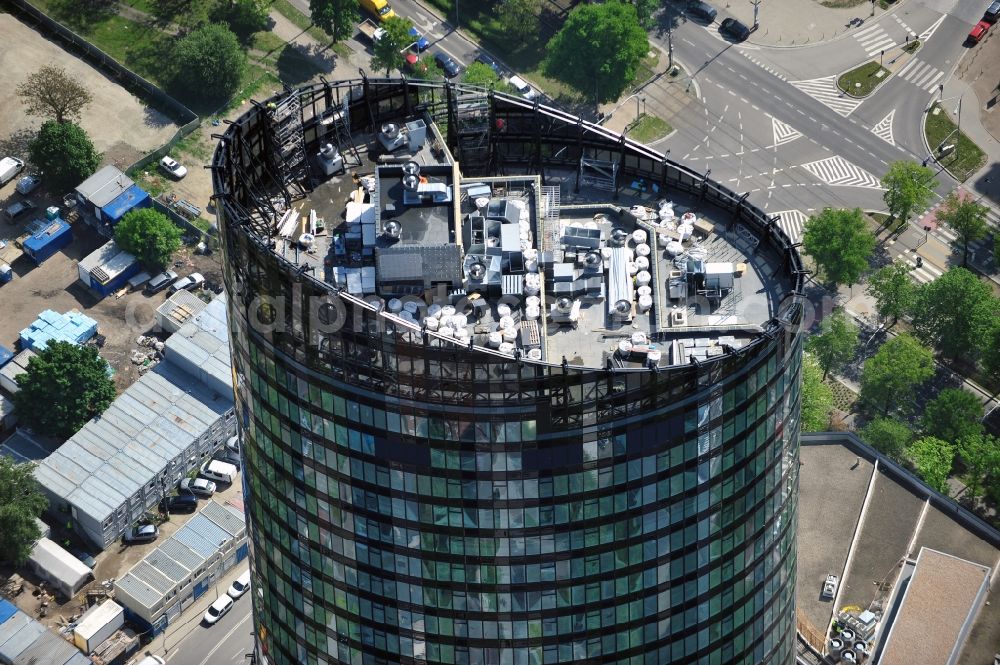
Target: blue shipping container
[(5, 355), (50, 239), (131, 199)]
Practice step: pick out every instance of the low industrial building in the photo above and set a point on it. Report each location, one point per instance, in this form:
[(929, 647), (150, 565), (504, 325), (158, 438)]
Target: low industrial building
[(24, 641), (120, 465), (157, 589), (108, 269), (64, 572), (47, 236), (15, 367), (98, 624), (106, 196), (177, 310)]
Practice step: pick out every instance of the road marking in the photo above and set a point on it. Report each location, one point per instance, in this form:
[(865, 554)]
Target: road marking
[(921, 74), (224, 638), (874, 39), (925, 273), (825, 91), (926, 34), (766, 68), (838, 171), (793, 223), (908, 29)]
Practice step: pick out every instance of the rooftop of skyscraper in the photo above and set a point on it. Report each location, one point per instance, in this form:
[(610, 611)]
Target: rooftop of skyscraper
[(574, 273)]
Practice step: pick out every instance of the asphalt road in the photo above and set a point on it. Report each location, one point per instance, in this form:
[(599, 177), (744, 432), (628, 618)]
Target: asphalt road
[(225, 643)]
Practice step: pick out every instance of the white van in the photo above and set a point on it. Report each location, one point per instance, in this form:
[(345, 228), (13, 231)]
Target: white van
[(522, 87), (223, 472), (9, 168)]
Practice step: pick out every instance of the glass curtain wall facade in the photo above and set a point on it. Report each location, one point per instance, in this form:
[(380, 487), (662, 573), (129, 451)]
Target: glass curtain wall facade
[(411, 501)]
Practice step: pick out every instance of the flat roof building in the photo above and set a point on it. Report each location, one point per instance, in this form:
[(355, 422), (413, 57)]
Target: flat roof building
[(107, 269), (24, 641)]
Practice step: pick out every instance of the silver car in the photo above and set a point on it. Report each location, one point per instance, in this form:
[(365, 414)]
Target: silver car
[(199, 486)]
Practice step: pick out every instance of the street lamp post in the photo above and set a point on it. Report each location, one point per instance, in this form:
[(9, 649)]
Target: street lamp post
[(756, 10), (873, 8), (670, 48)]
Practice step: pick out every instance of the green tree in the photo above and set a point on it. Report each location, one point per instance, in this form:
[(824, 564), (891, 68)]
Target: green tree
[(893, 373), (817, 397), (149, 236), (840, 243), (893, 291), (836, 342), (991, 349), (244, 17), (387, 50), (336, 17), (483, 75), (908, 187), (50, 92), (981, 455), (580, 54), (888, 435), (65, 386), (645, 9), (20, 504), (208, 64), (967, 219), (64, 153), (933, 459), (518, 18), (953, 415), (954, 312)]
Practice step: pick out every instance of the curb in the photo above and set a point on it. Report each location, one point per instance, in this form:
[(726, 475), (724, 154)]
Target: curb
[(889, 12)]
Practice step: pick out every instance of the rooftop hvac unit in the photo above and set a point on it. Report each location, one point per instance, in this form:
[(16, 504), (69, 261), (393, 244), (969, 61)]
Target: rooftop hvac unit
[(307, 241), (623, 307), (564, 305), (477, 271), (330, 160), (847, 635), (592, 259), (390, 130), (836, 646), (848, 658), (618, 238), (416, 131), (411, 168), (393, 229), (411, 182), (390, 137)]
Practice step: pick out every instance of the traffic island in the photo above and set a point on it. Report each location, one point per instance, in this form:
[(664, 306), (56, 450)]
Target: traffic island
[(951, 148), (648, 128), (863, 81)]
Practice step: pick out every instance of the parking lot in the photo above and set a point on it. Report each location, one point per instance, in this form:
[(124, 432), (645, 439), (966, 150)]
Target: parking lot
[(118, 123)]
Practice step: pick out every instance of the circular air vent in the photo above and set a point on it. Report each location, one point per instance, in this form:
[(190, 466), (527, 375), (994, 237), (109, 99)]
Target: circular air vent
[(411, 182), (477, 271)]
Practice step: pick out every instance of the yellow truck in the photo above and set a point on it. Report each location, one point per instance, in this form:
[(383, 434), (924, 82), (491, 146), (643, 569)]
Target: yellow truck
[(378, 8)]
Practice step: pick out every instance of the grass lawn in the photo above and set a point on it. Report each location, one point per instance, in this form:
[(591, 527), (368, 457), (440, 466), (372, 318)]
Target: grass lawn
[(866, 75), (912, 46), (649, 128), (300, 20), (966, 159)]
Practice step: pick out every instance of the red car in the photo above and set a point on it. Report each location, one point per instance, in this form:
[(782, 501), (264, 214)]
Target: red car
[(978, 32)]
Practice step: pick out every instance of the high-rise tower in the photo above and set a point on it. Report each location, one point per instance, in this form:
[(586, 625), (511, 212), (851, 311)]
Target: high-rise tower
[(512, 389)]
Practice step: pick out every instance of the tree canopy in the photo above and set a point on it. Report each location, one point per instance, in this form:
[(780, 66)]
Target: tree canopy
[(990, 349), (933, 458), (888, 435), (52, 93), (518, 18), (893, 373), (840, 243), (817, 397), (581, 53), (335, 17), (967, 218), (908, 187), (387, 49), (65, 386), (893, 290), (244, 17), (954, 312), (208, 64), (836, 342), (20, 504), (981, 455), (64, 153), (483, 75), (953, 415), (645, 9), (148, 235)]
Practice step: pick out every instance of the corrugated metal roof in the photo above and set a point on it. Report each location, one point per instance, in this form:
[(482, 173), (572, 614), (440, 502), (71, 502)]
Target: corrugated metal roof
[(137, 590), (202, 536), (182, 554), (47, 649), (225, 517), (150, 425), (101, 178), (21, 640), (99, 256), (13, 625), (160, 560), (7, 608), (152, 576)]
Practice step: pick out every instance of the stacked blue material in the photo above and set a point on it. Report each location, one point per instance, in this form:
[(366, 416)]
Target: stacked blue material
[(5, 355), (72, 327)]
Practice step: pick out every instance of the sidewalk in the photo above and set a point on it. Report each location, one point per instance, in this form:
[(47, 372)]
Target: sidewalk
[(976, 81), (801, 22)]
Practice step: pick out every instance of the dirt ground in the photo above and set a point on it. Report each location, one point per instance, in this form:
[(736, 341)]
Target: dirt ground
[(118, 123), (979, 70)]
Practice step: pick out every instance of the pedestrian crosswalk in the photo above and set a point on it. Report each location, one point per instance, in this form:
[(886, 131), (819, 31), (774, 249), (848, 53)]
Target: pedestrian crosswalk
[(783, 132), (874, 39), (921, 271), (763, 66), (921, 74), (883, 129), (946, 235), (793, 223), (838, 171), (825, 91)]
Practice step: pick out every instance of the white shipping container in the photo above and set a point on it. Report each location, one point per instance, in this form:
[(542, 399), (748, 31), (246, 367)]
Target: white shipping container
[(98, 624)]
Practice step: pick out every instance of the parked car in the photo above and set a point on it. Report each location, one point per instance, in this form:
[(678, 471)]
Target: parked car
[(152, 660), (992, 12), (88, 560), (183, 503), (218, 609), (240, 586), (830, 587), (143, 533), (522, 87), (28, 184), (219, 471), (420, 42), (445, 62), (9, 168), (172, 168), (233, 444), (190, 283), (734, 30), (978, 31), (702, 11), (18, 209), (198, 486), (229, 457), (160, 282), (489, 62)]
